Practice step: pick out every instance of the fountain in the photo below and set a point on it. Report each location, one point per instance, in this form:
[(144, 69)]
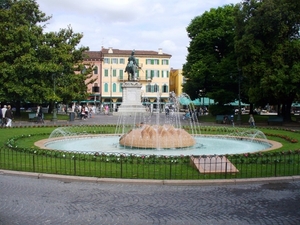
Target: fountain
[(159, 134), (157, 137)]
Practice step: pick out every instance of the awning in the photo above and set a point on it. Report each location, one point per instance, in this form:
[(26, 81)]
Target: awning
[(184, 101), (203, 101)]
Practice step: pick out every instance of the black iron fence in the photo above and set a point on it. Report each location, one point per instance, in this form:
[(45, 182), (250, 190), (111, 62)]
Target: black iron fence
[(131, 166)]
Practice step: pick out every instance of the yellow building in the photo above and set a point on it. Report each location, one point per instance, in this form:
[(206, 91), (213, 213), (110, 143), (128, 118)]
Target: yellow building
[(109, 73), (176, 81)]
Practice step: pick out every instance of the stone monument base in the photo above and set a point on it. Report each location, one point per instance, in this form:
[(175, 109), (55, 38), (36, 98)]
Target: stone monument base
[(131, 102)]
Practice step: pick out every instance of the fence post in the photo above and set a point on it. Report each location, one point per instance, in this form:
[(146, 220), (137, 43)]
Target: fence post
[(275, 173), (121, 175), (226, 170), (170, 169), (33, 163), (74, 158)]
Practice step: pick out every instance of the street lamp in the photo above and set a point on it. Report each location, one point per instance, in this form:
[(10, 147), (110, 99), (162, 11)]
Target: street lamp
[(239, 119), (202, 94), (110, 103)]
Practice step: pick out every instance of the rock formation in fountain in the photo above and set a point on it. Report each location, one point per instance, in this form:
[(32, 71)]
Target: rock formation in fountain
[(157, 136)]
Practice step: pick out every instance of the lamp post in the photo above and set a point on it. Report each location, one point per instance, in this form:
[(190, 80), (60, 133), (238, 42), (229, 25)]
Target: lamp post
[(239, 119), (202, 95), (110, 103), (54, 116)]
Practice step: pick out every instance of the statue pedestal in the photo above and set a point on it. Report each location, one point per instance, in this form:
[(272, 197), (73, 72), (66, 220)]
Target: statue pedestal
[(131, 102)]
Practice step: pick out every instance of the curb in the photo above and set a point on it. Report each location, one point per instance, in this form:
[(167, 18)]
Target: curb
[(66, 178)]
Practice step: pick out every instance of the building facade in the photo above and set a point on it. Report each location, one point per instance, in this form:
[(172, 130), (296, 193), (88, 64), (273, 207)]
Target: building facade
[(109, 73), (176, 81)]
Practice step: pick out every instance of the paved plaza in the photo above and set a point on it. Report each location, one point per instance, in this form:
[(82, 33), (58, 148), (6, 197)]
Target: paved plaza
[(27, 200)]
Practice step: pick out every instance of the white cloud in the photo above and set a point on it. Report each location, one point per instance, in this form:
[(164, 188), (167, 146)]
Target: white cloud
[(130, 24)]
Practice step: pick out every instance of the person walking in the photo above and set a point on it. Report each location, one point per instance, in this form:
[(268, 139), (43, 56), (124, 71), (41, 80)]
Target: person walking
[(251, 121), (39, 114), (8, 116), (1, 116), (3, 110)]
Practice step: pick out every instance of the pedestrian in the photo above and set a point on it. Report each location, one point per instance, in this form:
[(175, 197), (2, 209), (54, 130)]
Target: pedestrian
[(8, 116), (251, 121), (39, 114), (1, 116), (3, 110), (106, 110)]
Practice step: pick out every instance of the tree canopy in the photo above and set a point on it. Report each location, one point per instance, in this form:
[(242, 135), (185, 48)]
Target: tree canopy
[(211, 61), (36, 66), (258, 38), (268, 49)]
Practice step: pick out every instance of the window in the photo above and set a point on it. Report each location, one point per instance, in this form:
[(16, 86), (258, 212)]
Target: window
[(96, 70), (152, 61), (121, 74), (165, 73), (122, 61), (152, 73), (114, 87), (148, 75), (95, 88), (165, 62), (148, 88), (114, 61), (106, 72), (114, 72), (155, 88), (106, 60), (120, 87), (155, 73), (106, 87), (165, 88), (83, 71), (156, 61)]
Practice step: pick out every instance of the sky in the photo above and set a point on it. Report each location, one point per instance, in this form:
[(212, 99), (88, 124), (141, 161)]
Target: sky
[(130, 24)]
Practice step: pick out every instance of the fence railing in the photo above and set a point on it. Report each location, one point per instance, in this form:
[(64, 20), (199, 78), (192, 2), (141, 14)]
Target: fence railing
[(120, 165)]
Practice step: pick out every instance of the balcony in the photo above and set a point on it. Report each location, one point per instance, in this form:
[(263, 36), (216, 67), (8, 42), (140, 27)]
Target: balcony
[(141, 78)]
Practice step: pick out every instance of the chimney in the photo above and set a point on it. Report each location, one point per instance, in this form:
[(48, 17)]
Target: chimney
[(160, 52)]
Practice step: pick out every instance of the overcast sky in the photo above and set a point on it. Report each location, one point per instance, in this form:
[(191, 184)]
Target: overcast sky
[(130, 24)]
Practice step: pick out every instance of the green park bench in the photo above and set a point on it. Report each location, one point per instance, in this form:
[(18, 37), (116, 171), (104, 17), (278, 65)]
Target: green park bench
[(32, 116)]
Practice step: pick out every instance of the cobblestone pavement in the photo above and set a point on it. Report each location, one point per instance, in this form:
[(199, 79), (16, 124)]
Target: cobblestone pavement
[(30, 201)]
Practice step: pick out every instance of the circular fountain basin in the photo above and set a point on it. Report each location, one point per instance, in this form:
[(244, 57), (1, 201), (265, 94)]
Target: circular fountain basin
[(205, 145)]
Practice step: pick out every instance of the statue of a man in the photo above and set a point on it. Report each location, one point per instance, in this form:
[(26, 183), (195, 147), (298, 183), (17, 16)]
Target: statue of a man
[(131, 67)]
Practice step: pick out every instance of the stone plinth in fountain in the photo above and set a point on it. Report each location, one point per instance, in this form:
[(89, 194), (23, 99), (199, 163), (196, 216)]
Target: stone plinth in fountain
[(157, 136)]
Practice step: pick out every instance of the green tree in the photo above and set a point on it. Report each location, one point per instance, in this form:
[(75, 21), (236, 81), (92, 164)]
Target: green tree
[(20, 37), (34, 63), (268, 49), (63, 74), (211, 60)]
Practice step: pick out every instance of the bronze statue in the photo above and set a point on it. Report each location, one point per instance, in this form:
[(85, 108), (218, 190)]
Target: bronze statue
[(131, 67)]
